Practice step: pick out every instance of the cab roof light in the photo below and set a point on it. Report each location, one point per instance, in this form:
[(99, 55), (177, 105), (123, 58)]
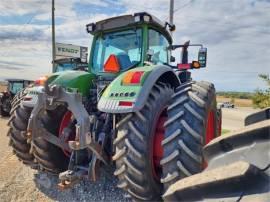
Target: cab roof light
[(142, 17), (90, 27), (112, 64), (132, 78)]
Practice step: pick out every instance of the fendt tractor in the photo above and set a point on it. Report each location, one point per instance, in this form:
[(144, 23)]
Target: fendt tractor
[(14, 86), (132, 109)]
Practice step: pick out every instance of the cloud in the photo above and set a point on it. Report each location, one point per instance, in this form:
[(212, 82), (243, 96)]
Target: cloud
[(23, 32), (8, 67)]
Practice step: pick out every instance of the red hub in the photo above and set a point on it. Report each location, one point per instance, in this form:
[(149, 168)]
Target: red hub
[(67, 118), (157, 147), (210, 130)]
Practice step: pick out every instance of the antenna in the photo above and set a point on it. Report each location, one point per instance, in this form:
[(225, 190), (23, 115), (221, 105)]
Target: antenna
[(53, 38)]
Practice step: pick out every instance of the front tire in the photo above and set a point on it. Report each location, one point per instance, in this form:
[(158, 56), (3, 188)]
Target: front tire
[(192, 123), (17, 133), (136, 170)]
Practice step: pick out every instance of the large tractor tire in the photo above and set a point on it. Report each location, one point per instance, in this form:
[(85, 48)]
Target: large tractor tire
[(191, 124), (138, 147), (239, 167), (18, 98), (17, 133), (50, 157)]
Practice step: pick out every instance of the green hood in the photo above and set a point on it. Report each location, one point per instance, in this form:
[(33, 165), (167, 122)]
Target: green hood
[(80, 80)]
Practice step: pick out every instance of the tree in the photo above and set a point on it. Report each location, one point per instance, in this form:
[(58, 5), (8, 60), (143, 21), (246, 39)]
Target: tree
[(261, 98)]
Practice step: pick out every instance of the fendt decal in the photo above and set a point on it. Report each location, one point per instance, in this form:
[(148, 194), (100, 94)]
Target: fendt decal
[(69, 50)]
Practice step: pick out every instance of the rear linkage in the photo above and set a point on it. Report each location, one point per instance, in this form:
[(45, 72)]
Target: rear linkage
[(85, 134)]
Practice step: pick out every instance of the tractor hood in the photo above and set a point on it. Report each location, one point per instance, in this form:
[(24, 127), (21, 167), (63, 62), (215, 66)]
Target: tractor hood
[(79, 80)]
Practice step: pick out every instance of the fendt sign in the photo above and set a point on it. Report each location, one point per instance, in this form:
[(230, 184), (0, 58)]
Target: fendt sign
[(70, 51)]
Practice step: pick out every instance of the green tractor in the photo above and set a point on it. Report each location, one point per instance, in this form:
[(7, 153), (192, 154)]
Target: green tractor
[(6, 98), (132, 109)]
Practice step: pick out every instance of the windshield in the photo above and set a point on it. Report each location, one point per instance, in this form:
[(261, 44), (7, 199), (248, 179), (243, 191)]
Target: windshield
[(16, 87), (125, 45)]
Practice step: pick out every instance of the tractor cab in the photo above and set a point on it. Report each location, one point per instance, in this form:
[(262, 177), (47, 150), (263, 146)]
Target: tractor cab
[(125, 42), (130, 41), (66, 64), (16, 85), (13, 87)]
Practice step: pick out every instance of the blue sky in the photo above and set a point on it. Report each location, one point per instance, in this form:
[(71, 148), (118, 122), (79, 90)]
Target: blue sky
[(236, 33)]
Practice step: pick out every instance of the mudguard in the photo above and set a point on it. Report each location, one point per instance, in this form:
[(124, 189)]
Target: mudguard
[(79, 80), (31, 96), (122, 98)]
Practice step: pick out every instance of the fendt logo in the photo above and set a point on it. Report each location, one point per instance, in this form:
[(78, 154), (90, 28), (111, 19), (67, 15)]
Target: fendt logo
[(68, 50)]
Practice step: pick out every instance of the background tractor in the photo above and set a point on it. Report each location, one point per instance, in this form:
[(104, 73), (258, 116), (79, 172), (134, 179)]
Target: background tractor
[(13, 87), (131, 109)]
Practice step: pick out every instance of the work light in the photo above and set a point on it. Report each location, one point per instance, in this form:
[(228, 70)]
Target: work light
[(90, 27)]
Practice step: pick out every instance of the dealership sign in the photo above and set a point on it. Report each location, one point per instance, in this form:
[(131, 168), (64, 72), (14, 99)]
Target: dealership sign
[(70, 51)]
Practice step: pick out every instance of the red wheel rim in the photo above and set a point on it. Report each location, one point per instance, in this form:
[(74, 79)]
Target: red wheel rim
[(157, 152), (210, 130), (64, 123)]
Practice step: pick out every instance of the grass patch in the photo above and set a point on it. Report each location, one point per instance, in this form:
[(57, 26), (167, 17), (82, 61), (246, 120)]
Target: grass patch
[(224, 131)]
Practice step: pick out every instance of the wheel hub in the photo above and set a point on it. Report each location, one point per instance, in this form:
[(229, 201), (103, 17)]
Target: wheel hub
[(66, 133), (210, 130), (157, 147)]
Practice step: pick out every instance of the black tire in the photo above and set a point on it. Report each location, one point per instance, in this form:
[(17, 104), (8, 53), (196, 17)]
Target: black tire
[(51, 158), (238, 169), (185, 130), (17, 133), (4, 113), (17, 98), (133, 144)]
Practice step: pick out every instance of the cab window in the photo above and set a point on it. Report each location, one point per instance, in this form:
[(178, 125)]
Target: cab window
[(125, 45), (158, 45)]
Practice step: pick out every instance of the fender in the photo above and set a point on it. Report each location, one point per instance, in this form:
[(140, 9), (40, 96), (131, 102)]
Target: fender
[(120, 98), (31, 96), (79, 80)]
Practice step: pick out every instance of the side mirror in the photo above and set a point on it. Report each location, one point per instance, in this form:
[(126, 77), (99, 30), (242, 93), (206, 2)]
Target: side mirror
[(172, 59), (202, 57)]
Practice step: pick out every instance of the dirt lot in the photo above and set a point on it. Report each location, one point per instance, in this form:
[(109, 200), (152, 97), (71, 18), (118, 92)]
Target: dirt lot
[(20, 183), (2, 87), (233, 119)]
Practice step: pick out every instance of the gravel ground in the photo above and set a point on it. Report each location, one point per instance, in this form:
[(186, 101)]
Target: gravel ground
[(20, 183), (233, 119)]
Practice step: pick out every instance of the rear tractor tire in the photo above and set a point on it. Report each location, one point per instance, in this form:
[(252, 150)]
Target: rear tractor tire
[(18, 123), (138, 147), (51, 158), (191, 124)]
